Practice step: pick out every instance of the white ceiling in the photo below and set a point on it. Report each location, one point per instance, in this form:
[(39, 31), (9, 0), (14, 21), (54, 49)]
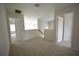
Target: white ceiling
[(44, 12)]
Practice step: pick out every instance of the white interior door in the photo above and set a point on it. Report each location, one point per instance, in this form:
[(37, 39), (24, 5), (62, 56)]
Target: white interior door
[(60, 29)]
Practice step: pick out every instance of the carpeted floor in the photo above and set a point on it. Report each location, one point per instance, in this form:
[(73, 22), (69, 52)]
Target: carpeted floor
[(40, 47)]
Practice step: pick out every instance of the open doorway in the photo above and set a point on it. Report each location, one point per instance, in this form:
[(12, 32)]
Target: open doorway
[(64, 30), (12, 29)]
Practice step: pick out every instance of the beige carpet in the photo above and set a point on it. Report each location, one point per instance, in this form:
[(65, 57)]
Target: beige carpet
[(40, 47)]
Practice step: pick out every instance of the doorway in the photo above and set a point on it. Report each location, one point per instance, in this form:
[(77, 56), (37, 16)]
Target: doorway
[(64, 29), (12, 29)]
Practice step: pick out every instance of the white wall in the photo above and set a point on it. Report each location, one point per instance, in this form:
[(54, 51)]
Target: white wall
[(51, 25), (19, 24), (68, 21), (75, 42), (4, 38), (42, 24)]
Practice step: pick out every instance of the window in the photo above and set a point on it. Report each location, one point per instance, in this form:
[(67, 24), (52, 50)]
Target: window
[(12, 29), (30, 23)]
